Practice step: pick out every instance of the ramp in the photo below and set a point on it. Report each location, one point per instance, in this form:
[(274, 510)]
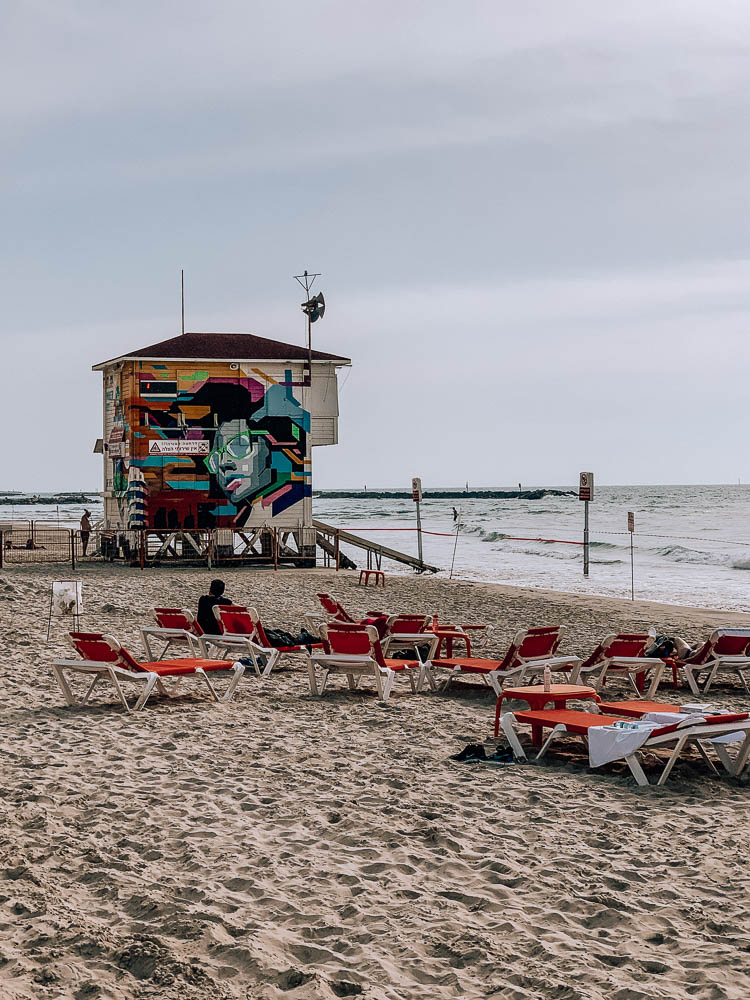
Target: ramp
[(373, 549)]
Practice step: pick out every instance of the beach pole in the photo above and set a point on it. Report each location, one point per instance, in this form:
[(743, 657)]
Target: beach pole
[(631, 529), (586, 493), (585, 538), (416, 495), (455, 544)]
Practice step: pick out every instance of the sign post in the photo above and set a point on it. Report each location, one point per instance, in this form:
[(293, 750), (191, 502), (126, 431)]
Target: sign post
[(416, 495), (586, 493), (457, 519), (631, 529)]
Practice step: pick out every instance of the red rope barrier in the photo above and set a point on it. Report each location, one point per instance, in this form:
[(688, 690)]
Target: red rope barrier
[(451, 534)]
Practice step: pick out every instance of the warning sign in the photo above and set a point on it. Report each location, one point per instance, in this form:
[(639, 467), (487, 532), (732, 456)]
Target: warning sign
[(586, 486), (178, 447)]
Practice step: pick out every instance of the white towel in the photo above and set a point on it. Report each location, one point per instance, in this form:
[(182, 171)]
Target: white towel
[(670, 718), (608, 743)]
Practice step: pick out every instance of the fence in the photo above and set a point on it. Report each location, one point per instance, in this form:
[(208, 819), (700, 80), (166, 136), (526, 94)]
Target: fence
[(29, 542)]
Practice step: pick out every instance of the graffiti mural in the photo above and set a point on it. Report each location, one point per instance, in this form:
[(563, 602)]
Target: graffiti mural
[(215, 447)]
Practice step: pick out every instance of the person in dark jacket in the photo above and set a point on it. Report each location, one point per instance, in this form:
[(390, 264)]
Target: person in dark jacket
[(206, 618)]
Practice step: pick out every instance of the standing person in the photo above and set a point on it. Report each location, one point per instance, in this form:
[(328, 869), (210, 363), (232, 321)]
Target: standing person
[(205, 617), (85, 529)]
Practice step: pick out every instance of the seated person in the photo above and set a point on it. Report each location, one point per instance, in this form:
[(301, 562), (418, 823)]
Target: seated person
[(205, 617)]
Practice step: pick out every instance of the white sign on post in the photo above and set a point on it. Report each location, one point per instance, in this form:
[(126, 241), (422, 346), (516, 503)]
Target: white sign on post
[(65, 601), (67, 598), (586, 486), (416, 489)]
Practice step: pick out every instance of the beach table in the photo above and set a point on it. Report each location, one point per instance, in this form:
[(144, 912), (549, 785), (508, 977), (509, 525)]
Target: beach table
[(448, 634), (537, 698)]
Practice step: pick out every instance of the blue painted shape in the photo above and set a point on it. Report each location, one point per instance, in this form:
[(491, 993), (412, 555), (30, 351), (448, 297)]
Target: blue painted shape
[(181, 484), (228, 508), (156, 461)]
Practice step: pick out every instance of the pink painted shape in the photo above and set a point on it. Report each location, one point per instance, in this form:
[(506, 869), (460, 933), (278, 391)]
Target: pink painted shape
[(267, 501)]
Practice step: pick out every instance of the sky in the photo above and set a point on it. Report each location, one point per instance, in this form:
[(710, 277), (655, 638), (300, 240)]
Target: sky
[(531, 222)]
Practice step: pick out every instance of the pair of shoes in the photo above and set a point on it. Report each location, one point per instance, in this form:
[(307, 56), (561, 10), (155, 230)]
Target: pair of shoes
[(470, 753), (501, 755)]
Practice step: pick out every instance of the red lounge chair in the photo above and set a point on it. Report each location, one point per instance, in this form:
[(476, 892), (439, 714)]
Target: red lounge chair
[(104, 657), (406, 631), (532, 650), (337, 613), (623, 655), (726, 649), (430, 626), (567, 721), (637, 709), (355, 650), (178, 625), (239, 622)]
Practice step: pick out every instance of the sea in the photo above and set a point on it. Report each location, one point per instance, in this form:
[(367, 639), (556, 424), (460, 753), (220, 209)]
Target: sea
[(691, 544)]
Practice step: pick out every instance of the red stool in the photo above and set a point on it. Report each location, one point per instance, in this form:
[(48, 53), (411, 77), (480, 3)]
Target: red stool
[(365, 574)]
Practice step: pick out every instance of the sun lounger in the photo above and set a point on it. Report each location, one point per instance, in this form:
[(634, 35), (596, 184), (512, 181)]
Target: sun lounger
[(724, 650), (355, 651), (178, 625), (244, 623), (335, 612), (104, 658), (531, 651), (623, 655), (679, 734), (408, 632), (638, 709)]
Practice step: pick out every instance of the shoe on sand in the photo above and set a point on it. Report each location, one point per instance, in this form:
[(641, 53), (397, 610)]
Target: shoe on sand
[(472, 752), (502, 755)]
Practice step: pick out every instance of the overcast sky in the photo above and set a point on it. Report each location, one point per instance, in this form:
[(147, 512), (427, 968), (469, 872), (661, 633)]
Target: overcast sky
[(531, 219)]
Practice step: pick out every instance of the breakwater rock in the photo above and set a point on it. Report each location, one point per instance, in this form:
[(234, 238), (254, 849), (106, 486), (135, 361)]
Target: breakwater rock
[(29, 499), (443, 494)]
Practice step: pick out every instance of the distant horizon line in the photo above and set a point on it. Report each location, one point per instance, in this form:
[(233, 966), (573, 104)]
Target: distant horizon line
[(407, 489)]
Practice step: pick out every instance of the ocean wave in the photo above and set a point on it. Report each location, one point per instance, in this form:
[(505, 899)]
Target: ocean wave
[(683, 554), (741, 564)]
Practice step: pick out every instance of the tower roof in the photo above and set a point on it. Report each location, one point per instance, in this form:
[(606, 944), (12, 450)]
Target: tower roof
[(223, 347)]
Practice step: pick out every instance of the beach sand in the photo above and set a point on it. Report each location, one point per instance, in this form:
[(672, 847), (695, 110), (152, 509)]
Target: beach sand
[(284, 847)]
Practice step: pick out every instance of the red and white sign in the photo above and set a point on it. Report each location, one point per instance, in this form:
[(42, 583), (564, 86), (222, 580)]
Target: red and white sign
[(187, 447), (416, 489), (631, 521), (586, 486)]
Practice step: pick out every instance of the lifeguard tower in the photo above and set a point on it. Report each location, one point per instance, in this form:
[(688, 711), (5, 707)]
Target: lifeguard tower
[(207, 447)]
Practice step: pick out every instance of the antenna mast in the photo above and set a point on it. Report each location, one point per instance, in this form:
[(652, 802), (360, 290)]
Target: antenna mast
[(313, 308), (182, 282)]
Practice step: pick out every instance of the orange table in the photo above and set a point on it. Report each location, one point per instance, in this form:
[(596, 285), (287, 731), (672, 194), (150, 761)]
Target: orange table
[(537, 698), (448, 633)]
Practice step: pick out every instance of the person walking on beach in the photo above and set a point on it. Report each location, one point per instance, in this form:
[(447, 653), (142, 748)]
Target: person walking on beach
[(205, 617), (85, 530)]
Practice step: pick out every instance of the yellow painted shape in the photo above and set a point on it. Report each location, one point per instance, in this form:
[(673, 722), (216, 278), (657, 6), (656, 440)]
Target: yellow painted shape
[(195, 412), (263, 374)]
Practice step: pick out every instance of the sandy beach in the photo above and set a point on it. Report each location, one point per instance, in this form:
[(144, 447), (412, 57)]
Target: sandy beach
[(285, 847)]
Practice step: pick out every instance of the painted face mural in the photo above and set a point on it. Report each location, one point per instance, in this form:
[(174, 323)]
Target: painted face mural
[(240, 460), (229, 446)]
